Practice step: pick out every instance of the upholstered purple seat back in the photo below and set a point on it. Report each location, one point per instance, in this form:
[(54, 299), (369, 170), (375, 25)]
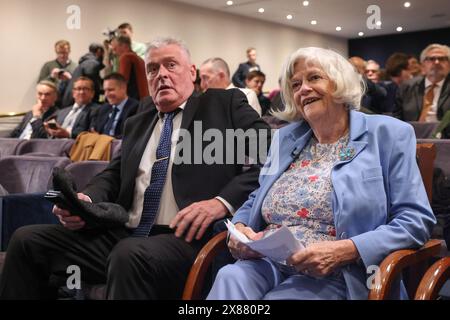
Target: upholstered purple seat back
[(52, 147), (26, 174)]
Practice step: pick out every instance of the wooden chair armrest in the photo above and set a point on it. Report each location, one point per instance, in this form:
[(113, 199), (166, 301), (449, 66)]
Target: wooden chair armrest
[(433, 280), (396, 262), (196, 278)]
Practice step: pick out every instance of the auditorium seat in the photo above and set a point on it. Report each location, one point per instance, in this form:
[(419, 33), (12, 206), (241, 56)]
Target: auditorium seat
[(8, 146), (116, 147), (45, 147), (27, 174), (83, 171), (424, 130)]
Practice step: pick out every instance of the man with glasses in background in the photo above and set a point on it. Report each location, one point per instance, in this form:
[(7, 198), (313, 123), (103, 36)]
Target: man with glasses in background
[(70, 121), (427, 98)]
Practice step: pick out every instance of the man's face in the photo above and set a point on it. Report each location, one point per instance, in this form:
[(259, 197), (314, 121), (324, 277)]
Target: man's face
[(46, 96), (82, 92), (126, 32), (117, 48), (373, 72), (210, 78), (256, 84), (436, 65), (62, 54), (170, 76), (252, 56), (115, 91)]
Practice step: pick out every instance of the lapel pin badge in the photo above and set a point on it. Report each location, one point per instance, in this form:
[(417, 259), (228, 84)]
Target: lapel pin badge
[(346, 153)]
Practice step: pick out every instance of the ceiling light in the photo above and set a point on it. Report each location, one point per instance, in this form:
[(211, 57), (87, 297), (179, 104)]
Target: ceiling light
[(338, 28), (399, 29), (378, 23), (261, 10), (360, 34), (229, 3), (313, 22), (407, 4), (305, 3), (289, 17)]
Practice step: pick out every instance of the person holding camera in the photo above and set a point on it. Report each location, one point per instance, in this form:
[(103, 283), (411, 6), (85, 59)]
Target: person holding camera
[(59, 70)]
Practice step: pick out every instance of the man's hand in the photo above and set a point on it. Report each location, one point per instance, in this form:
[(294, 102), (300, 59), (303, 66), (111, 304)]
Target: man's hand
[(197, 217), (65, 76), (69, 221), (59, 132), (37, 110), (55, 73), (321, 258), (238, 249)]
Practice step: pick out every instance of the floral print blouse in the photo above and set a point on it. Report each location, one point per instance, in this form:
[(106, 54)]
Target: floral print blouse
[(301, 198)]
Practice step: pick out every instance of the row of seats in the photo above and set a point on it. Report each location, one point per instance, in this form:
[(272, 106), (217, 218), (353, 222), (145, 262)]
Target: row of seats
[(30, 174), (44, 147)]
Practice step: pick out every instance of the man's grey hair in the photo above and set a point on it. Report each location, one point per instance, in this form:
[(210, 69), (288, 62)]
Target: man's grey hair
[(445, 48), (348, 83), (218, 64), (165, 41)]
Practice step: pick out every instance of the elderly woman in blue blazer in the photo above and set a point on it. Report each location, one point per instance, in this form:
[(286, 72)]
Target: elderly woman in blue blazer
[(346, 184)]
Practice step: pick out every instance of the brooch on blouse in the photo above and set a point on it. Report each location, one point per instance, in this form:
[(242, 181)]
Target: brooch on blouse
[(346, 153)]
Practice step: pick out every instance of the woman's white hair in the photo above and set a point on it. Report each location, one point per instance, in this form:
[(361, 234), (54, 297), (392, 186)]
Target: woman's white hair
[(348, 83)]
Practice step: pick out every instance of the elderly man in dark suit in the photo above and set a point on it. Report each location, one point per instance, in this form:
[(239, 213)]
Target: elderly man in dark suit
[(172, 192), (77, 118), (426, 99), (32, 124), (110, 117)]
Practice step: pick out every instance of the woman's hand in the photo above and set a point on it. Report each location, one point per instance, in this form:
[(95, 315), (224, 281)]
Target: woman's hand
[(321, 258), (238, 249)]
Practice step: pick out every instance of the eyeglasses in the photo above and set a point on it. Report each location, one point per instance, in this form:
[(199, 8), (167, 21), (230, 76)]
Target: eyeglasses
[(438, 58), (82, 89)]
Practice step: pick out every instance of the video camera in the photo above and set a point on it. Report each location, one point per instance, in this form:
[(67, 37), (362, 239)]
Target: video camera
[(110, 34)]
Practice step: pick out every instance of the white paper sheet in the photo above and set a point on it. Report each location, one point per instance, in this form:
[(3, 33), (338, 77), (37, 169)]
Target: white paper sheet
[(278, 246)]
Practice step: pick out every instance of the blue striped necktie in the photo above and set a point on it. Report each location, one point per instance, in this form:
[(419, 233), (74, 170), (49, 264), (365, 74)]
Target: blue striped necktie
[(152, 195)]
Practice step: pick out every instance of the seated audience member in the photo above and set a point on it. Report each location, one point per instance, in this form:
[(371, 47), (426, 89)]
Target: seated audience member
[(89, 66), (374, 98), (397, 71), (171, 204), (414, 66), (32, 124), (131, 67), (397, 68), (244, 68), (373, 71), (426, 98), (110, 117), (339, 185), (215, 74), (59, 70), (72, 120), (255, 81)]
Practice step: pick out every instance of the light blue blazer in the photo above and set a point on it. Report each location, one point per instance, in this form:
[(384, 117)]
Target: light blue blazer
[(379, 200)]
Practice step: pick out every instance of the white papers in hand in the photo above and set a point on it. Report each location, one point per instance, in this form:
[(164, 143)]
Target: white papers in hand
[(278, 246)]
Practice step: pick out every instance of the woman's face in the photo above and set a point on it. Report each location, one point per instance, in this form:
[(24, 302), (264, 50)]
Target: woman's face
[(312, 91)]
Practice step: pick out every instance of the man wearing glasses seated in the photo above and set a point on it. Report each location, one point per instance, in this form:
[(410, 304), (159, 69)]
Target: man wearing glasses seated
[(426, 99)]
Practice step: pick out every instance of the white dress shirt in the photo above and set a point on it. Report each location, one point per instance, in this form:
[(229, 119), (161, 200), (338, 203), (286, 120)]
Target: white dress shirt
[(168, 207)]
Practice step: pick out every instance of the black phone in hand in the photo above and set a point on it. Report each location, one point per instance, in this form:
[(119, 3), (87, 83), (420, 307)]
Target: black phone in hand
[(57, 198)]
